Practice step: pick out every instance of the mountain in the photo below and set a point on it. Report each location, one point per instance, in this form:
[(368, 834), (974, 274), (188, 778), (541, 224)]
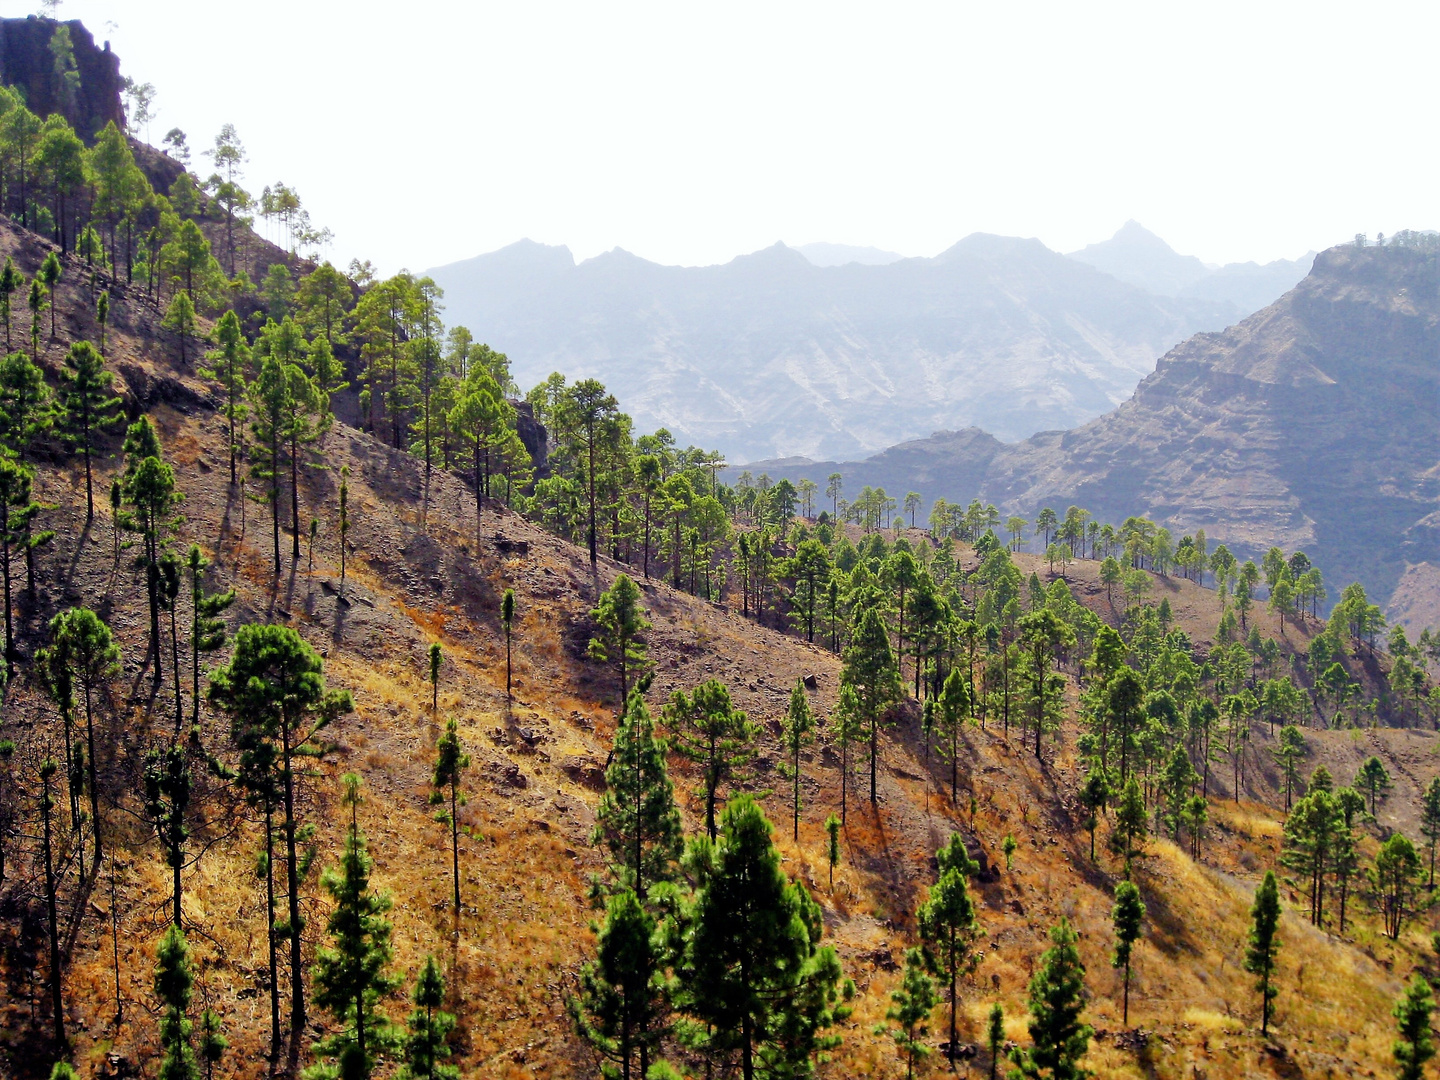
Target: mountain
[(1314, 424), (1138, 257), (770, 355), (822, 254)]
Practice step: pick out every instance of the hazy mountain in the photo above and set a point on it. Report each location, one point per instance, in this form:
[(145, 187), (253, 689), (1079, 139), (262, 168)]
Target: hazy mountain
[(770, 355), (1138, 257), (822, 254), (1312, 424)]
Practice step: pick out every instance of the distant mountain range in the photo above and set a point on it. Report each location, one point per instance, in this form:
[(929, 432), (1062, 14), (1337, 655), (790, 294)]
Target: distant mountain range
[(772, 355), (1313, 424), (1138, 257)]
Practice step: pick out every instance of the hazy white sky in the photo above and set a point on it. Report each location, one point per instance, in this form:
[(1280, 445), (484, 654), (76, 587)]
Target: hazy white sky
[(688, 133)]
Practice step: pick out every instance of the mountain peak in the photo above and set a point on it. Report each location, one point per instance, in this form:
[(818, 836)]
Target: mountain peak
[(1136, 256)]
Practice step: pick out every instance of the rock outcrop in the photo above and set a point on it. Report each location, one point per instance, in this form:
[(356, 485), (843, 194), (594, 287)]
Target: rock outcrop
[(27, 63)]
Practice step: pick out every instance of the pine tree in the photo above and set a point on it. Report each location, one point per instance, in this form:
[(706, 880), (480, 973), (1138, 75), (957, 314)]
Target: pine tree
[(83, 645), (832, 829), (845, 730), (276, 696), (436, 659), (1045, 637), (11, 280), (47, 851), (708, 730), (1060, 1039), (149, 487), (911, 1005), (350, 977), (637, 820), (450, 762), (953, 708), (15, 481), (50, 274), (270, 395), (1430, 821), (1288, 754), (427, 1041), (1094, 796), (1127, 915), (1264, 944), (167, 798), (344, 528), (1415, 1044), (797, 726), (36, 301), (995, 1036), (1394, 880), (871, 672), (1373, 780), (1131, 823), (948, 927), (507, 620), (623, 1004), (753, 974), (228, 367), (90, 407), (213, 1043), (619, 623), (207, 630), (174, 983)]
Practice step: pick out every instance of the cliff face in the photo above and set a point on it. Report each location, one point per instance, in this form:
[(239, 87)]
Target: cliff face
[(27, 63)]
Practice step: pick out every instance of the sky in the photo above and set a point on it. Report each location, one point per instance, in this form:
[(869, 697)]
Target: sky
[(688, 133)]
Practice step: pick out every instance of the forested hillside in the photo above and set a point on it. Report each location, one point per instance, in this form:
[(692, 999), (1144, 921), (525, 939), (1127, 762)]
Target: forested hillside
[(363, 717), (1311, 424)]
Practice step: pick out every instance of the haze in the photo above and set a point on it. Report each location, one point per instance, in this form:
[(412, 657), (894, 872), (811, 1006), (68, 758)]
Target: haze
[(423, 134)]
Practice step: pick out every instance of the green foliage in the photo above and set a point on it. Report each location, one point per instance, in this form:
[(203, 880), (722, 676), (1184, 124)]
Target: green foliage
[(451, 761), (947, 924), (1264, 944), (1128, 915), (753, 976), (623, 1006), (637, 819), (1395, 881), (426, 1043), (349, 976), (873, 675), (1059, 1037), (796, 729), (708, 730), (619, 622), (911, 1005), (1414, 1044), (173, 985)]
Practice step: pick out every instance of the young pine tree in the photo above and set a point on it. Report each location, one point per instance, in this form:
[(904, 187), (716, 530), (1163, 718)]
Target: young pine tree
[(174, 983), (1059, 1037), (507, 620), (90, 408), (207, 630), (622, 1007), (870, 669), (911, 1005), (753, 973), (949, 930), (708, 730), (1414, 1045), (450, 762), (427, 1040), (1128, 915), (1430, 822), (995, 1036), (167, 799), (832, 829), (619, 623), (637, 820), (350, 977), (1264, 944), (436, 659), (798, 724)]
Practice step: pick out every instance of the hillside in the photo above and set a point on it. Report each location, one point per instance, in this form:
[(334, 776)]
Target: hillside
[(417, 574), (1310, 425), (770, 355)]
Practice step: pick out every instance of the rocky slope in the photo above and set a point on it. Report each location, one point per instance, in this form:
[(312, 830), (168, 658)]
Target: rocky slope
[(771, 355), (1312, 424)]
